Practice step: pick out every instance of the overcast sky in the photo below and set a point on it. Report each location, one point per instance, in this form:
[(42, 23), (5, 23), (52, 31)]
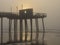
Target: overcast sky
[(51, 7)]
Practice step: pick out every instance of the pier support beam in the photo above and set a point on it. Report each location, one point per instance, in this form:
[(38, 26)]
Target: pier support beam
[(21, 30), (43, 31), (26, 30), (1, 31), (10, 36), (31, 29), (15, 29)]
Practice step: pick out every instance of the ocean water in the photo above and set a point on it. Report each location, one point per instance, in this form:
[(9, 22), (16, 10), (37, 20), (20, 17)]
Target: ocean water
[(51, 38)]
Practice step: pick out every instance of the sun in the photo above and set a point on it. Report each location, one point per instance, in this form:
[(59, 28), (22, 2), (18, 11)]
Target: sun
[(26, 6)]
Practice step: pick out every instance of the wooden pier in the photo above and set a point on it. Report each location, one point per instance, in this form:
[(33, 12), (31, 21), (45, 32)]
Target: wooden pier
[(16, 17)]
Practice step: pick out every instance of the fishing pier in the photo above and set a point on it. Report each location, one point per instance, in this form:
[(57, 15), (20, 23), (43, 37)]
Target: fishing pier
[(15, 17)]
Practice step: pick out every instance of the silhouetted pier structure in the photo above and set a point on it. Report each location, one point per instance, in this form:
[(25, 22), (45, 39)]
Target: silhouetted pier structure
[(15, 17)]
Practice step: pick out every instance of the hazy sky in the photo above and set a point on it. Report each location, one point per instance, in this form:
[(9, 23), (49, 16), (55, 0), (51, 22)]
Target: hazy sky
[(51, 7)]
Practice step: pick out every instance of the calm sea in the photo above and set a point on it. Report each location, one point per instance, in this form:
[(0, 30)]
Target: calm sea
[(51, 37)]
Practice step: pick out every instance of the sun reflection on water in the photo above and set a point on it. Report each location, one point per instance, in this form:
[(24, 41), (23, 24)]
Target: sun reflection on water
[(28, 36), (23, 38)]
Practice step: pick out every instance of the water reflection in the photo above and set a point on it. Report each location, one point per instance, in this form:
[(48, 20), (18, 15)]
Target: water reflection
[(25, 43), (50, 38)]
